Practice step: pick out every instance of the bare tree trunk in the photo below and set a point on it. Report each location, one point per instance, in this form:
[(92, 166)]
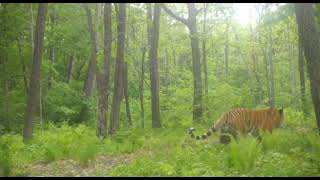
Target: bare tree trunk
[(265, 60), (191, 23), (302, 80), (272, 91), (103, 82), (70, 67), (310, 41), (204, 51), (142, 87), (35, 76), (51, 53), (25, 80), (226, 49), (125, 73), (291, 65), (51, 60), (197, 100), (154, 73), (31, 27), (125, 92), (259, 86), (118, 81), (89, 83)]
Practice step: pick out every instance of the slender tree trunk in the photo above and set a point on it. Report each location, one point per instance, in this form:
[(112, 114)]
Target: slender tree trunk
[(51, 60), (291, 64), (125, 73), (31, 27), (154, 73), (70, 67), (142, 87), (89, 83), (272, 91), (118, 84), (204, 51), (125, 92), (265, 60), (226, 49), (302, 80), (51, 53), (256, 72), (197, 100), (35, 76), (191, 23), (259, 90), (25, 80), (310, 40)]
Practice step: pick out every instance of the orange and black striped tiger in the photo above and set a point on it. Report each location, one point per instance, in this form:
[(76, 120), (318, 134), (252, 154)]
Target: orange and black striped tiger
[(244, 121)]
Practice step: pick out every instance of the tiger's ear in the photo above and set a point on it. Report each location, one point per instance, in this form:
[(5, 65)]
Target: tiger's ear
[(281, 110)]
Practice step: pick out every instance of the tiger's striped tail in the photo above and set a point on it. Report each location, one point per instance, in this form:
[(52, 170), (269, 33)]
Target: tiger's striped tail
[(204, 136)]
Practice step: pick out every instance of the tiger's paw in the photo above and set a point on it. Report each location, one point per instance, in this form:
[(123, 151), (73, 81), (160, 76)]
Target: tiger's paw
[(225, 139)]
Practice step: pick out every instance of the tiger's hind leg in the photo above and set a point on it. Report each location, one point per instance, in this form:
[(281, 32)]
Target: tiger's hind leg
[(255, 133), (225, 137)]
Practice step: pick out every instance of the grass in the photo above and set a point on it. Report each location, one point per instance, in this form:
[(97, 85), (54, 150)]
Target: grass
[(160, 152)]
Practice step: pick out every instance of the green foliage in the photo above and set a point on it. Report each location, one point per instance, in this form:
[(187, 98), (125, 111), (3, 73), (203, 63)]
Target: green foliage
[(243, 153), (5, 161), (63, 103)]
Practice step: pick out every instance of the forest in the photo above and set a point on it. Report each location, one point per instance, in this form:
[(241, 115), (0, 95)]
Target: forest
[(113, 89)]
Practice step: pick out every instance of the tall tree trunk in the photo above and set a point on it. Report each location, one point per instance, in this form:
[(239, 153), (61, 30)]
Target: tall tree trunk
[(204, 51), (51, 60), (25, 80), (51, 53), (272, 91), (103, 80), (302, 80), (125, 92), (258, 94), (154, 73), (31, 27), (259, 86), (125, 73), (226, 49), (70, 67), (291, 65), (265, 60), (191, 23), (118, 80), (142, 87), (89, 82), (35, 76), (310, 41), (197, 100)]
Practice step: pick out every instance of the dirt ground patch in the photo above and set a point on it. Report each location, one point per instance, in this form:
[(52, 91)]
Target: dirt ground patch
[(100, 166)]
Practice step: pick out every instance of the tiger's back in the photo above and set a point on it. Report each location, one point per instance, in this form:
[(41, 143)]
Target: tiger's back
[(244, 120)]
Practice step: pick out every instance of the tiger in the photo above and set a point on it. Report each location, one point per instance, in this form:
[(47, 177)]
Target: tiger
[(245, 121)]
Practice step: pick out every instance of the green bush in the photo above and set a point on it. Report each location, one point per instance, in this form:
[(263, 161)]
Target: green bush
[(243, 153)]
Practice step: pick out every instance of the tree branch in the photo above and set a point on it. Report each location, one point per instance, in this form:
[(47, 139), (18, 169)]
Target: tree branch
[(172, 14)]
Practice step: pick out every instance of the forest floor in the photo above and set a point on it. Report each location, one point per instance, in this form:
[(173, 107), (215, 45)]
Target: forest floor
[(74, 168), (69, 151)]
